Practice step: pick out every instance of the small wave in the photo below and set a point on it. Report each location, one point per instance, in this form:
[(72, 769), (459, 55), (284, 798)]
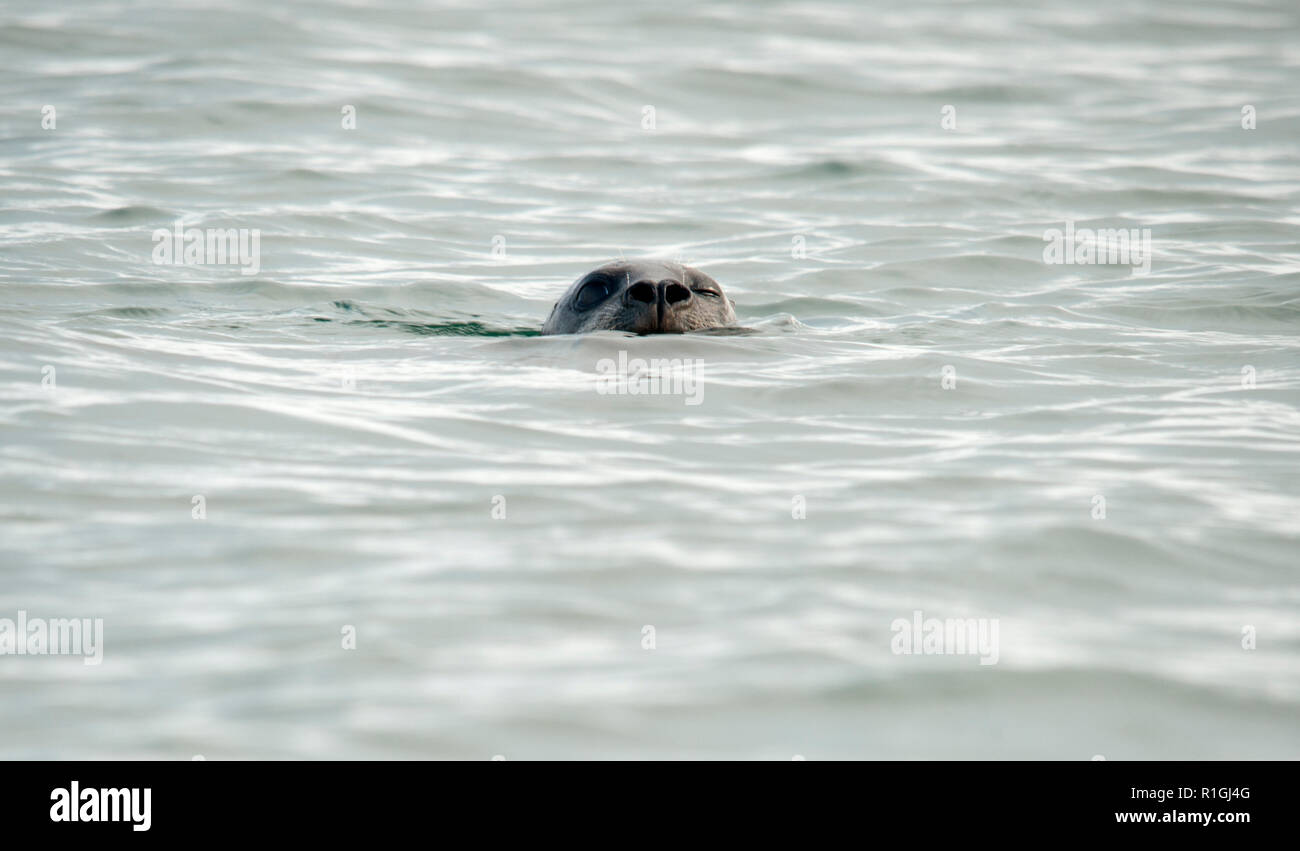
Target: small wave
[(132, 312), (134, 214), (413, 322)]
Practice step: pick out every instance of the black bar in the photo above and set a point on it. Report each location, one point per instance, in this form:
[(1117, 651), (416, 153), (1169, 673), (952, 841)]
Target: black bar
[(331, 800)]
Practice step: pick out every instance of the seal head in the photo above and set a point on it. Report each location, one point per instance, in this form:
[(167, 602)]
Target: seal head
[(644, 297)]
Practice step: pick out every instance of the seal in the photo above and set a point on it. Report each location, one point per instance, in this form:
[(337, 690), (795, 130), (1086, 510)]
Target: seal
[(644, 297)]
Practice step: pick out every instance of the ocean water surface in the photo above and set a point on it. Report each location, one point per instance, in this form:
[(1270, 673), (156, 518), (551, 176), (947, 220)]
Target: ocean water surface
[(345, 502)]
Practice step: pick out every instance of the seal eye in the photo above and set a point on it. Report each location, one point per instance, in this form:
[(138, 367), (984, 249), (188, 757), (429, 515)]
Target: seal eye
[(706, 291), (593, 293)]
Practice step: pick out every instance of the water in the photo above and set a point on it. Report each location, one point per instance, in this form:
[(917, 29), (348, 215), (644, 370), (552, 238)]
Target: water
[(353, 414)]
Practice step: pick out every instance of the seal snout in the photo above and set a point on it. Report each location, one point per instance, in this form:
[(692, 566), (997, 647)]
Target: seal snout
[(674, 292), (643, 291), (658, 299)]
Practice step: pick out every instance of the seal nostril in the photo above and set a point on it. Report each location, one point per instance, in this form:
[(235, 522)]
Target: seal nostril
[(642, 292), (675, 292)]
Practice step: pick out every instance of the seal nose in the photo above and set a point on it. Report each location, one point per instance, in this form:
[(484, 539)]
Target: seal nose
[(642, 292), (674, 292), (653, 303)]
